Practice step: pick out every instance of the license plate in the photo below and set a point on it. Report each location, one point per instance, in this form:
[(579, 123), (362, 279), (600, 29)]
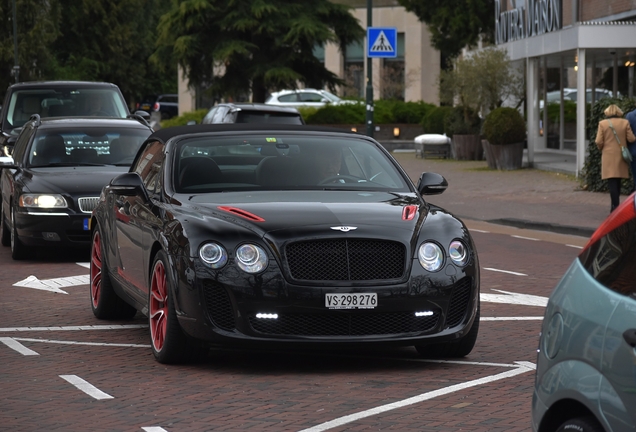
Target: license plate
[(86, 225), (145, 107), (351, 301)]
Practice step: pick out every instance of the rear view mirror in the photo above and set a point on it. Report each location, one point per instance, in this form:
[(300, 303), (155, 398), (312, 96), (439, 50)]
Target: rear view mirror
[(128, 184), (431, 184)]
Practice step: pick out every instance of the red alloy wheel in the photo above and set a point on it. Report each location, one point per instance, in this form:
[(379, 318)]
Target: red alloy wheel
[(96, 268), (158, 307)]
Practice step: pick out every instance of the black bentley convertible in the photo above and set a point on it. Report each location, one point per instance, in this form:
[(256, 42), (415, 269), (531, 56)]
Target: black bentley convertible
[(290, 235)]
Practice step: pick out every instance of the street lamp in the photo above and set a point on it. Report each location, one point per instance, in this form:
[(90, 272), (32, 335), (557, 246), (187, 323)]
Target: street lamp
[(16, 69)]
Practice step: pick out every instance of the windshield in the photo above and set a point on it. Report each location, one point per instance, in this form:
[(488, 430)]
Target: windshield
[(64, 102), (89, 146), (283, 162)]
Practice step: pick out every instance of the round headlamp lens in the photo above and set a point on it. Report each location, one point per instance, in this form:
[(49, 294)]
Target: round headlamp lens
[(213, 255), (430, 256), (251, 258), (458, 253)]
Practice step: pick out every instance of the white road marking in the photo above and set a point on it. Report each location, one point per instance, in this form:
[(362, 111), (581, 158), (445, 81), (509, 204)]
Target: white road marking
[(479, 231), (74, 328), (81, 343), (154, 429), (53, 285), (86, 387), (84, 264), (514, 298), (518, 370), (527, 318), (15, 345), (505, 271), (524, 238), (574, 246)]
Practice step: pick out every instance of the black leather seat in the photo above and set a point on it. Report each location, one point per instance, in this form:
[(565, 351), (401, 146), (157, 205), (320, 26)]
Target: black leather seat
[(196, 171)]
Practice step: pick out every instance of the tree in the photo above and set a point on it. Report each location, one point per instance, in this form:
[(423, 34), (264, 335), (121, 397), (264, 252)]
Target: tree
[(105, 40), (38, 27), (455, 24), (237, 46)]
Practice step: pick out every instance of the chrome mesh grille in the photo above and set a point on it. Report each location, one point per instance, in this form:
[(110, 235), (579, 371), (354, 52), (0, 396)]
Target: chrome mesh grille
[(346, 260), (87, 205)]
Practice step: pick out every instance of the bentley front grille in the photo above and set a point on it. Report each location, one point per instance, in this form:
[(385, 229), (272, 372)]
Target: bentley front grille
[(87, 205), (330, 324), (346, 260)]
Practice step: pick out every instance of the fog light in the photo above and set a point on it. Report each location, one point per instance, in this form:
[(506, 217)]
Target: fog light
[(423, 314), (51, 236), (267, 316)]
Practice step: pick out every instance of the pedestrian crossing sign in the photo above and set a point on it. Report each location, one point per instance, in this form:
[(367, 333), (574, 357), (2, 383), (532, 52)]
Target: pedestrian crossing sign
[(382, 42)]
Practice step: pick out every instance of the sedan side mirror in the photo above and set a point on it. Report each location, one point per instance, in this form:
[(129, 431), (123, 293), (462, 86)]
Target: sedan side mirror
[(7, 162), (128, 184), (431, 184)]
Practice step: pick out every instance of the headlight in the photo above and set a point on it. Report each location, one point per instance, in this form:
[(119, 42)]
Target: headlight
[(42, 201), (213, 255), (458, 253), (251, 258), (430, 256)]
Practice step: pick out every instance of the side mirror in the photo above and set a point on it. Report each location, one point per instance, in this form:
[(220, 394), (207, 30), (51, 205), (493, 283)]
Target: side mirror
[(127, 184), (431, 184), (143, 114), (7, 162)]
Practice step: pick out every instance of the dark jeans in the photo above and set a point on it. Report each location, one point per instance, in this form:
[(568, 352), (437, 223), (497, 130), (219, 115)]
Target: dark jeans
[(614, 185)]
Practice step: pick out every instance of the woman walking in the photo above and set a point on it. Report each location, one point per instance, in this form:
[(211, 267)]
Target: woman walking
[(613, 132)]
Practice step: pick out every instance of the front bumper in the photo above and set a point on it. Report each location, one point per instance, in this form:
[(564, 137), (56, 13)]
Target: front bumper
[(48, 229)]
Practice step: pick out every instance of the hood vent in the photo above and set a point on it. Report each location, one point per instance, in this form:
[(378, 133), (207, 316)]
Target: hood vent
[(242, 213), (409, 212)]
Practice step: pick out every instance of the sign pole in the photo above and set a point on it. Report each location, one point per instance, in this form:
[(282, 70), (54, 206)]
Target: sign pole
[(16, 68), (369, 117)]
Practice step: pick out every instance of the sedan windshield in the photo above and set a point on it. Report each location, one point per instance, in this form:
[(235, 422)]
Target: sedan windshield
[(86, 147), (283, 162)]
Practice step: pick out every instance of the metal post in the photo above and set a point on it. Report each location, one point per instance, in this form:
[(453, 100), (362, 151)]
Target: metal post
[(16, 68), (369, 75)]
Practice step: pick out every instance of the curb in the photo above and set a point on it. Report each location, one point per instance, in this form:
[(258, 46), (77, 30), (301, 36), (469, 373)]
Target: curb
[(542, 226)]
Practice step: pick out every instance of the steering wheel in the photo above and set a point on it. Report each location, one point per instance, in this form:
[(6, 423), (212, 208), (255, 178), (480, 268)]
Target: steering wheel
[(342, 178)]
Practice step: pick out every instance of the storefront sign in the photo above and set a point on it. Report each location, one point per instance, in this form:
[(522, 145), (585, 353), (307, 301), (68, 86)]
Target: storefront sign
[(529, 18)]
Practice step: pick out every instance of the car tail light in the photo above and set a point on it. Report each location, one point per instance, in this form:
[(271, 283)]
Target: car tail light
[(156, 106), (622, 214)]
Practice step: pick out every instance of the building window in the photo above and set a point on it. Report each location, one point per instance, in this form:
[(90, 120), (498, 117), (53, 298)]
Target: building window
[(393, 76), (354, 70)]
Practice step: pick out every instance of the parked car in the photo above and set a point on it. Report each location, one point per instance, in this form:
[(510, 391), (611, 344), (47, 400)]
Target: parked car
[(52, 182), (167, 105), (244, 112), (281, 234), (571, 95), (305, 98), (586, 368), (57, 99)]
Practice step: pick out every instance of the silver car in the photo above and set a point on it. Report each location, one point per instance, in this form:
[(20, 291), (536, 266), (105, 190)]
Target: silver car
[(307, 97), (586, 369)]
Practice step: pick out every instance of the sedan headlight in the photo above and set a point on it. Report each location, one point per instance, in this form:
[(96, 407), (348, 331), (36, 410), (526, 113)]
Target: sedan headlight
[(213, 255), (42, 201), (430, 256), (458, 253), (251, 258)]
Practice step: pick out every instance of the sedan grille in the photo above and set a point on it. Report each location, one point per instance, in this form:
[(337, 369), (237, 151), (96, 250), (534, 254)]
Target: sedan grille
[(87, 205), (346, 260), (393, 323), (460, 299)]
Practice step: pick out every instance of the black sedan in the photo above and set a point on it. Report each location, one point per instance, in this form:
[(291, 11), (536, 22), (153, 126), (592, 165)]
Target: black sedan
[(277, 234), (52, 182)]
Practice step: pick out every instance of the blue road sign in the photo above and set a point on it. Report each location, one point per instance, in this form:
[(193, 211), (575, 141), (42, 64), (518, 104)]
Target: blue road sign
[(382, 42)]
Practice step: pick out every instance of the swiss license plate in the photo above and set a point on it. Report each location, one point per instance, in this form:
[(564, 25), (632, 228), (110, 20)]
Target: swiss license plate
[(351, 301)]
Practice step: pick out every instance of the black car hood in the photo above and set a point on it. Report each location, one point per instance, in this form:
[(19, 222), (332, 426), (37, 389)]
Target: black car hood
[(309, 213), (82, 180)]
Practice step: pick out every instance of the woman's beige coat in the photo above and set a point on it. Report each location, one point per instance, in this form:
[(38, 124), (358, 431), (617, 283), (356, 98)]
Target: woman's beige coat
[(612, 163)]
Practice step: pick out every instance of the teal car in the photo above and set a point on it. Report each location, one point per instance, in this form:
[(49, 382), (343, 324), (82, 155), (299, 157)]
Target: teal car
[(586, 368)]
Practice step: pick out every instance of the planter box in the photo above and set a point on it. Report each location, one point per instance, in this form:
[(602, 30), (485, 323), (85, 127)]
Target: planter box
[(467, 147), (504, 157)]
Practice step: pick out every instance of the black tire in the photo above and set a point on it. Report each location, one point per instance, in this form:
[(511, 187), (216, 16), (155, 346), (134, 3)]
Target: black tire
[(453, 349), (18, 250), (105, 303), (170, 345), (5, 234), (581, 424)]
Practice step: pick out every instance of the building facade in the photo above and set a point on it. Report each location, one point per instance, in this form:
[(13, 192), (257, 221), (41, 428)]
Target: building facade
[(574, 52)]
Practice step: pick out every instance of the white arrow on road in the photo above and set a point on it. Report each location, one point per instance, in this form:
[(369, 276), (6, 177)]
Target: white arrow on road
[(514, 298), (53, 285)]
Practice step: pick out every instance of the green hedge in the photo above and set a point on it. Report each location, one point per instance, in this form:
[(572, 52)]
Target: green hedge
[(183, 119), (433, 121), (504, 125), (384, 112), (460, 121), (591, 173)]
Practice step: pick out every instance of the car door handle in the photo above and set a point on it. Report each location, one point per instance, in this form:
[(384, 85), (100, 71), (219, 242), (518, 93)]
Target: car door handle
[(630, 337)]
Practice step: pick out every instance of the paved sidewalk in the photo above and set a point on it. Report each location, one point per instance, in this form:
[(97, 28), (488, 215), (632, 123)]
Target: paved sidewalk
[(527, 198)]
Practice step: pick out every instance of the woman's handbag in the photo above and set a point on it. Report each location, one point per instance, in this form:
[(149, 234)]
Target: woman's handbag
[(627, 156)]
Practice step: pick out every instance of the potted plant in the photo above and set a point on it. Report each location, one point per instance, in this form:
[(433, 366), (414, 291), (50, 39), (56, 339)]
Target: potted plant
[(463, 125), (505, 133)]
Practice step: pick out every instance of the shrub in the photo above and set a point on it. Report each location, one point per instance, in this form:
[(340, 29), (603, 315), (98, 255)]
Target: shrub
[(462, 121), (433, 120), (183, 119), (504, 126), (591, 173), (384, 112), (336, 114)]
